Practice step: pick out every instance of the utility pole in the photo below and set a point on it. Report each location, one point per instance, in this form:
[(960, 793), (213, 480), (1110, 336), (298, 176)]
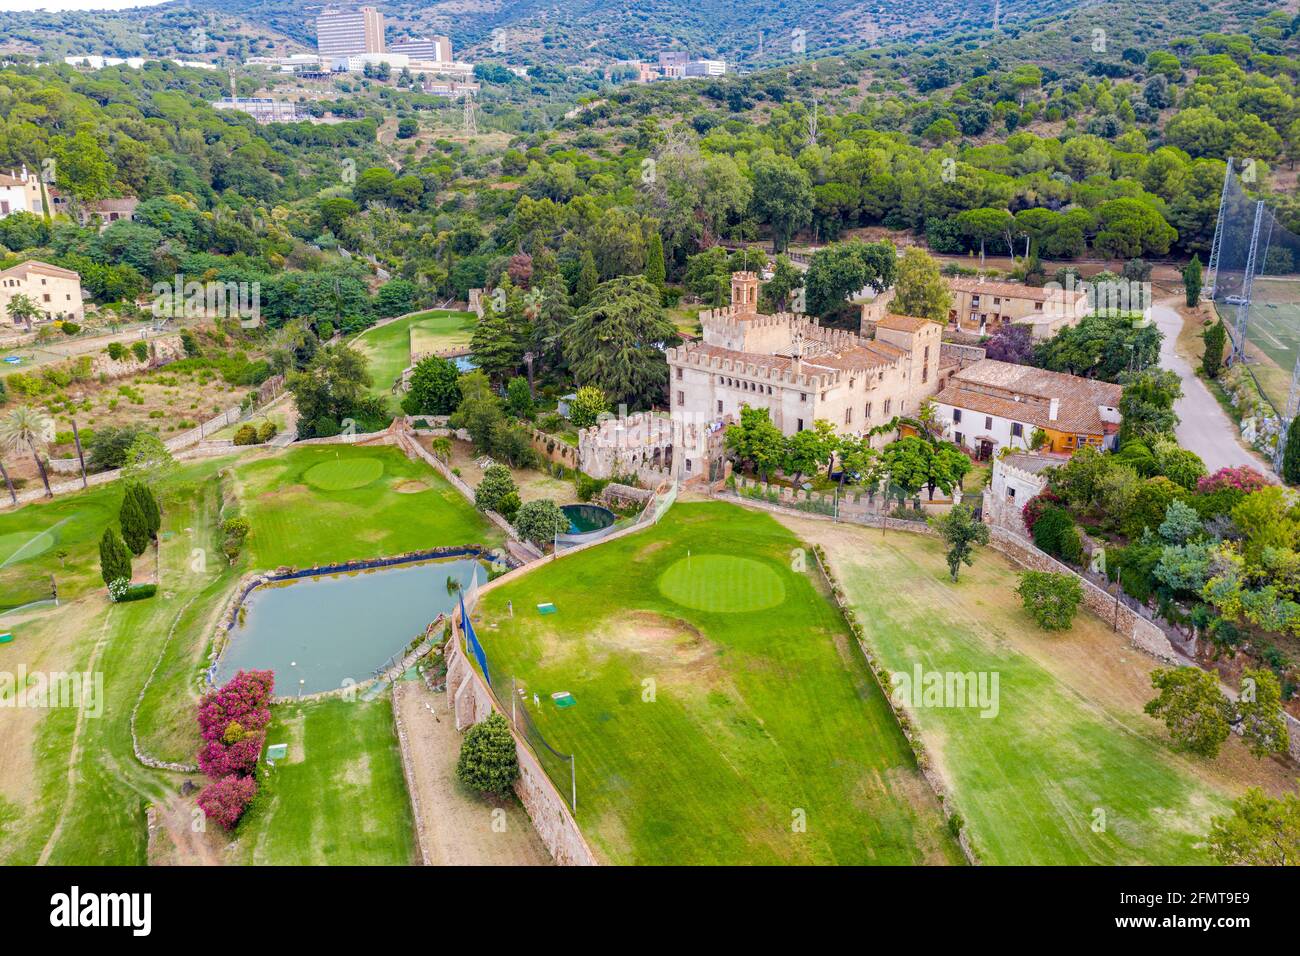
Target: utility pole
[(76, 437), (471, 120)]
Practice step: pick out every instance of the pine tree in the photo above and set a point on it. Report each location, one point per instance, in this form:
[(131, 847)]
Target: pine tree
[(1291, 457), (134, 522), (1192, 280), (588, 279), (114, 558), (655, 270), (1215, 338)]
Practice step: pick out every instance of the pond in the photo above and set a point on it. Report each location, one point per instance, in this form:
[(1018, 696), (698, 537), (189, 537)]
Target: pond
[(317, 632), (586, 523)]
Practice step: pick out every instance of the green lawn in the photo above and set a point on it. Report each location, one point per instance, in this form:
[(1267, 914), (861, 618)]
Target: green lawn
[(317, 504), (388, 348), (89, 792), (1068, 747), (340, 796), (708, 724)]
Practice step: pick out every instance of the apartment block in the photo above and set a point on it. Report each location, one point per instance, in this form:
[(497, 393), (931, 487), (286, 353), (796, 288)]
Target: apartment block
[(341, 33)]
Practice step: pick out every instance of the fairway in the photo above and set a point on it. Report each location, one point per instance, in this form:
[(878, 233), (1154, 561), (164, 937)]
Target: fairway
[(751, 732), (339, 797), (388, 349), (24, 546), (1069, 770), (722, 583), (327, 503)]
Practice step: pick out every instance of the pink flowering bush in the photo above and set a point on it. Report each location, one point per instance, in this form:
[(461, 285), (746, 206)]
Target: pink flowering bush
[(218, 760), (232, 722), (244, 699), (1242, 478), (225, 800)]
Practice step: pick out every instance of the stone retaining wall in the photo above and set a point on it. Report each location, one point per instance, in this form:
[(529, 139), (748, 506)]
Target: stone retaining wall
[(404, 749), (472, 702)]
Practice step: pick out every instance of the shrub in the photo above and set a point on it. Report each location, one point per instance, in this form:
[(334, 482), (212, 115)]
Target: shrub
[(496, 485), (1052, 598), (588, 404), (1070, 545), (488, 761), (246, 434), (540, 521), (70, 328), (122, 591), (244, 699), (226, 799), (1035, 506), (141, 351), (266, 431), (1051, 525), (519, 398), (234, 529), (116, 351), (1243, 478)]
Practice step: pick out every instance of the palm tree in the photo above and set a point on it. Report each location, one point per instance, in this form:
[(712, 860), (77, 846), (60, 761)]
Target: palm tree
[(23, 309), (27, 427)]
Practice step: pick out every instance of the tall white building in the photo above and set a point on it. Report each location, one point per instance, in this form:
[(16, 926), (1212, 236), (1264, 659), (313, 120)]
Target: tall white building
[(349, 33), (20, 191), (431, 49)]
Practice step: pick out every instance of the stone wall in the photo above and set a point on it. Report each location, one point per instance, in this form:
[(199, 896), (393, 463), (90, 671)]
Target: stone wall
[(471, 701), (1145, 635)]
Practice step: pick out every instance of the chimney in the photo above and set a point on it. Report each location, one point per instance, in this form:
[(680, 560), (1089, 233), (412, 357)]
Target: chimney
[(1054, 410)]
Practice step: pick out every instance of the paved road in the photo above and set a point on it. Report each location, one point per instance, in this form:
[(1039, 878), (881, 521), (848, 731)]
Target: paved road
[(1203, 426)]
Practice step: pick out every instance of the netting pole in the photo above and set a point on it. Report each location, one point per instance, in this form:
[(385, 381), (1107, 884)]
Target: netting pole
[(1243, 306), (1213, 267), (573, 779)]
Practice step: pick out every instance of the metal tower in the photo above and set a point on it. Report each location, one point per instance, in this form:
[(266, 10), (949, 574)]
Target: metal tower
[(471, 118), (1213, 267), (1243, 300)]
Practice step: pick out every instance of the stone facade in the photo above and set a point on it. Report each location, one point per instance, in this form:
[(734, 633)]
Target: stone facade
[(650, 447), (800, 371), (983, 306)]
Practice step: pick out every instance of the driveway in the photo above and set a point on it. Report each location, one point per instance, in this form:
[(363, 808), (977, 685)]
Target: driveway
[(1203, 426)]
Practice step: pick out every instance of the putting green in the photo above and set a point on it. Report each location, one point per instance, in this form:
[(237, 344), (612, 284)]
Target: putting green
[(721, 583), (344, 473), (23, 545)]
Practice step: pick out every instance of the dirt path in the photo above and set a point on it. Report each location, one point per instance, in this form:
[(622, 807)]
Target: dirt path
[(461, 828), (75, 752), (173, 840)]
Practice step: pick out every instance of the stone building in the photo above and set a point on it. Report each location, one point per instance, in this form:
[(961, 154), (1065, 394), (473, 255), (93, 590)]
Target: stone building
[(54, 290), (800, 371), (982, 307)]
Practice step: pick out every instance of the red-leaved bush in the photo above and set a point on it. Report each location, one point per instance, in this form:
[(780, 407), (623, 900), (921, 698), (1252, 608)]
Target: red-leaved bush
[(219, 760), (226, 799), (1242, 478), (1035, 506), (244, 698), (232, 723)]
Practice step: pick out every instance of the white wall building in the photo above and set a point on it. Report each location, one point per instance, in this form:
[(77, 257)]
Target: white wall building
[(20, 191)]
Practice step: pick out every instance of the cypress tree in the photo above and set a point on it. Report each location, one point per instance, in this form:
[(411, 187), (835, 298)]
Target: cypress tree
[(1215, 338), (1192, 280), (152, 512), (135, 524), (114, 558), (1291, 457), (588, 279), (655, 270)]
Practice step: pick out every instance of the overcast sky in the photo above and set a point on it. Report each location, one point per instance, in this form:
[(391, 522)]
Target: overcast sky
[(11, 5)]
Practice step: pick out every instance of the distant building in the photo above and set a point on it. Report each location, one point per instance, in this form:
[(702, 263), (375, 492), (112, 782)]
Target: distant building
[(294, 63), (357, 62), (706, 68), (88, 61), (263, 109), (342, 33), (94, 212), (982, 307), (431, 49), (20, 191), (55, 291), (451, 88), (993, 405)]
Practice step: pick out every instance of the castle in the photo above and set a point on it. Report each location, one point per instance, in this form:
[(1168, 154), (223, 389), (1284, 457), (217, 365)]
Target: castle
[(799, 371), (787, 363)]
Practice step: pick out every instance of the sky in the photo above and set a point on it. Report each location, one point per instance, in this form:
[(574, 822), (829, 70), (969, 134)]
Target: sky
[(9, 6)]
